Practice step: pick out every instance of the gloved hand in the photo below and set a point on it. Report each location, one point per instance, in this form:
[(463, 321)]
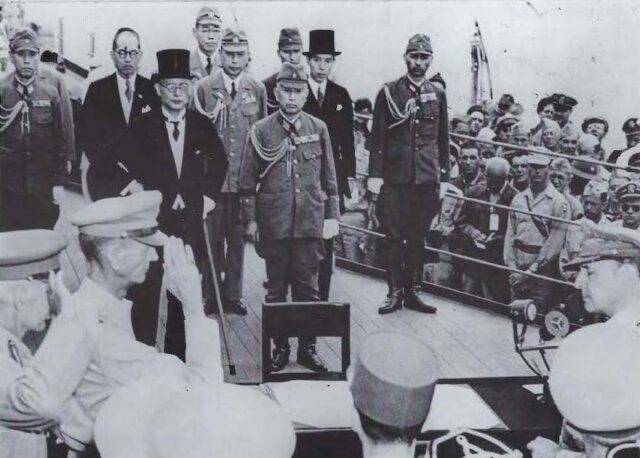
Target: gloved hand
[(251, 232), (330, 228), (208, 205)]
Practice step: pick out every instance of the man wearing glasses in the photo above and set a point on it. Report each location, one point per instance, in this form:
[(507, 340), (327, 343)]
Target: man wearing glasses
[(111, 106), (177, 152), (204, 60), (629, 200)]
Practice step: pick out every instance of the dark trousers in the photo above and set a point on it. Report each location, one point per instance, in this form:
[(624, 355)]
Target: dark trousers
[(326, 270), (407, 211), (27, 211), (292, 262), (228, 244)]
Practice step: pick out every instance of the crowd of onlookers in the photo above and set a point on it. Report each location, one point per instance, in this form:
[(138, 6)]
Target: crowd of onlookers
[(488, 169)]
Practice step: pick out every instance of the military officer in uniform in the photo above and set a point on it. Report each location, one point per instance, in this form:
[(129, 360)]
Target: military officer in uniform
[(38, 144), (290, 202), (409, 155), (233, 101), (289, 50), (204, 59), (628, 197), (631, 129), (533, 243), (25, 256), (563, 106), (90, 349)]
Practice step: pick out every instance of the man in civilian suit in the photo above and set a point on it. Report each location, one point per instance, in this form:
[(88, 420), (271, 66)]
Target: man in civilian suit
[(111, 105), (332, 104), (175, 151)]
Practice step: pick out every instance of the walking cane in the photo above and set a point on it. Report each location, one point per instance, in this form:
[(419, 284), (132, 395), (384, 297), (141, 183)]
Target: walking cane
[(216, 288)]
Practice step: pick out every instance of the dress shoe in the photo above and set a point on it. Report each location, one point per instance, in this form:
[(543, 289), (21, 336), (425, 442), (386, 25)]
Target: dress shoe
[(308, 358), (392, 303), (280, 357), (236, 307), (413, 302)]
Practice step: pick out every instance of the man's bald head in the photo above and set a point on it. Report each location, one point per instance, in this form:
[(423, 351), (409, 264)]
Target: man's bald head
[(497, 172)]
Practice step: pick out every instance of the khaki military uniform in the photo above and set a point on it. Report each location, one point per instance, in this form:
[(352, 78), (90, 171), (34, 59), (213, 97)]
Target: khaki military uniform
[(37, 142), (232, 118), (526, 244), (90, 351), (290, 195)]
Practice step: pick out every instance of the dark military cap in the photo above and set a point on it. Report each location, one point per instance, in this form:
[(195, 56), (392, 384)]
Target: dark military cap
[(595, 120), (437, 78), (293, 75), (629, 191), (24, 39), (289, 38), (631, 126), (562, 102), (476, 109), (27, 253), (419, 43)]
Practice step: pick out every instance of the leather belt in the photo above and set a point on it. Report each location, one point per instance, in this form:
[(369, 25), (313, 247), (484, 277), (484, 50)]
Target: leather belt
[(526, 248)]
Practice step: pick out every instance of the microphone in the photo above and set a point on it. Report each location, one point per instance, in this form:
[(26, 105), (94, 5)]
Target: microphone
[(523, 310)]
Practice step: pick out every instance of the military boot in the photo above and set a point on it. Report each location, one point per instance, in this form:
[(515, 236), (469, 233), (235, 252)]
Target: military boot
[(412, 301)]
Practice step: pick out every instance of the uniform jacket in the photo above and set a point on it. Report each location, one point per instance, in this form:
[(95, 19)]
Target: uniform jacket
[(270, 86), (575, 206), (290, 205), (145, 152), (416, 150), (198, 68), (337, 114), (232, 118), (522, 230), (34, 153), (17, 444), (90, 351), (103, 120)]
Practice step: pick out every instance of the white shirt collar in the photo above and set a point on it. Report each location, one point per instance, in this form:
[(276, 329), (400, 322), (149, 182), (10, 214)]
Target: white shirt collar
[(122, 82), (171, 118), (203, 59), (315, 85), (227, 82)]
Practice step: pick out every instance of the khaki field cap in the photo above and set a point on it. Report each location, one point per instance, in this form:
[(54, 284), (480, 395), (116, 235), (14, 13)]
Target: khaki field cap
[(24, 254)]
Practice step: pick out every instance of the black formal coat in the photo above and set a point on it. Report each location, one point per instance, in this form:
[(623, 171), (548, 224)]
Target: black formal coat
[(337, 113), (144, 154), (103, 121)]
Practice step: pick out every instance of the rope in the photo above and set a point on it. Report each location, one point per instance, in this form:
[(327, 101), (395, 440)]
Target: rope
[(220, 110), (400, 116), (271, 155), (517, 210), (7, 120), (466, 258), (530, 149)]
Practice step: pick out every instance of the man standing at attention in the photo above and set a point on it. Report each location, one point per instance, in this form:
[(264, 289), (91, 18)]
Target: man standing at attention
[(332, 104), (409, 155), (233, 101), (203, 60), (289, 203), (289, 50)]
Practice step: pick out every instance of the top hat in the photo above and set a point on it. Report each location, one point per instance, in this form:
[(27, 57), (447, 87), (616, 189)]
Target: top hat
[(321, 42), (172, 63)]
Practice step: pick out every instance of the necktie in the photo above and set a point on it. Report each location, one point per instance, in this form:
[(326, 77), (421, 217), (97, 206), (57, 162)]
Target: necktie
[(176, 131), (208, 67), (127, 92), (320, 96), (233, 90)]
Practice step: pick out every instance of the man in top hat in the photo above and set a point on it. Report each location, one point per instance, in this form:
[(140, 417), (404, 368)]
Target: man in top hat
[(289, 202), (596, 126), (392, 394), (332, 104), (111, 106), (25, 258), (563, 106), (38, 144), (594, 384), (533, 243), (177, 152), (204, 59), (477, 116), (233, 101), (289, 50), (631, 129), (409, 147), (168, 418), (90, 349)]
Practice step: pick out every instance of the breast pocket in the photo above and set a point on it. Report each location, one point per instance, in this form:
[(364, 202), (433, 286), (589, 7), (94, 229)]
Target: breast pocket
[(42, 115), (250, 109)]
